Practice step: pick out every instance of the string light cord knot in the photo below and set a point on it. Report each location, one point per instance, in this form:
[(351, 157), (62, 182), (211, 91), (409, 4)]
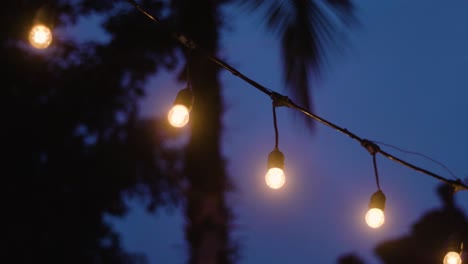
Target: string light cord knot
[(280, 100), (185, 41), (370, 146)]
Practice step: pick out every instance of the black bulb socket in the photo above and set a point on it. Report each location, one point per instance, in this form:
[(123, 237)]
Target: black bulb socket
[(276, 159), (377, 200), (455, 243), (45, 16), (184, 97)]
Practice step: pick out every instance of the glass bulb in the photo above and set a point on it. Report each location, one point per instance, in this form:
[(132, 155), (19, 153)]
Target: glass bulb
[(40, 36), (375, 217), (178, 115), (275, 178), (452, 257)]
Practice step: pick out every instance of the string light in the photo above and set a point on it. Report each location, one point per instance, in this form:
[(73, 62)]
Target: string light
[(179, 114), (275, 177), (375, 217), (40, 36), (282, 100), (285, 101), (455, 250), (454, 244)]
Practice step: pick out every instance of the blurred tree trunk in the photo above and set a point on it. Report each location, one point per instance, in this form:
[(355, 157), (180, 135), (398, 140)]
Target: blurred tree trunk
[(208, 216), (305, 28), (206, 209)]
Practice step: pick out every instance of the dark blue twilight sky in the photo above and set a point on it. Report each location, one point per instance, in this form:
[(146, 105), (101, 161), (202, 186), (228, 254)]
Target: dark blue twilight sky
[(402, 80)]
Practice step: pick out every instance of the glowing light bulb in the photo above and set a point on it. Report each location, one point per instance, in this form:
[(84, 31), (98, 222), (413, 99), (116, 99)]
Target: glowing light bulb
[(452, 257), (40, 36), (375, 217), (178, 116), (275, 178)]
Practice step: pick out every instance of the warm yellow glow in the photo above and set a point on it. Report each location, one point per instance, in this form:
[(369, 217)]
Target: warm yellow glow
[(40, 36), (452, 258), (178, 115), (275, 178), (375, 218)]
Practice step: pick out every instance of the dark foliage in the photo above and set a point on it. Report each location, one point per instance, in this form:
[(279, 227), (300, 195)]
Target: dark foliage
[(431, 236), (73, 144), (307, 30), (349, 259)]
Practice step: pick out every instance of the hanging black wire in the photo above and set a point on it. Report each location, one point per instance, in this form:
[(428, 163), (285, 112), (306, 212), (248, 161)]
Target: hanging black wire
[(187, 69), (447, 169), (285, 101), (376, 171), (143, 11), (275, 124)]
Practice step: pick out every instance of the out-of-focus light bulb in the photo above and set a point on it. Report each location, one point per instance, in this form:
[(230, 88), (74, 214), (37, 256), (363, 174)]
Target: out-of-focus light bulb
[(178, 116), (452, 257), (40, 36), (275, 178), (375, 217)]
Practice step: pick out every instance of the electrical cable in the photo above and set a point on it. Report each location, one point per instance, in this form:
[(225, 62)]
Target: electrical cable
[(376, 172), (420, 155), (143, 11), (282, 100), (189, 83), (275, 124)]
